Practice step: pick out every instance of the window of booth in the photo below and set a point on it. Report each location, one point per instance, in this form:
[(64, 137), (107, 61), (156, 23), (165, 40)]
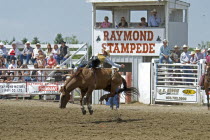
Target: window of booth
[(100, 15)]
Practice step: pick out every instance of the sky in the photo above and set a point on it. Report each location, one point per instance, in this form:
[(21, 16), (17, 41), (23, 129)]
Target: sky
[(46, 18)]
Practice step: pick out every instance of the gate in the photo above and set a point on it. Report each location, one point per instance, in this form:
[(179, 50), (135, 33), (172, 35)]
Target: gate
[(176, 83)]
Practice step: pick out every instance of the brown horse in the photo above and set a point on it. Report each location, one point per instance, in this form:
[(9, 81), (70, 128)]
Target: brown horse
[(207, 83), (88, 80)]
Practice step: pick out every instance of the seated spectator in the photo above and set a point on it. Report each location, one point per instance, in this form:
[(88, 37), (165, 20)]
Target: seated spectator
[(19, 63), (26, 53), (3, 50), (143, 22), (106, 23), (198, 55), (12, 66), (2, 73), (175, 55), (41, 60), (123, 23), (154, 20), (48, 51), (56, 53), (3, 60), (51, 62), (26, 73), (13, 53), (192, 58), (185, 56), (9, 77), (165, 52), (34, 73), (36, 52)]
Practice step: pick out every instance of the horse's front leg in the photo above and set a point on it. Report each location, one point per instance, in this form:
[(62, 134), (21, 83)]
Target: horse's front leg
[(88, 99), (82, 102)]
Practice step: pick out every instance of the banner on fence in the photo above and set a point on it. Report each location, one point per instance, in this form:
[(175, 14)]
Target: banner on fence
[(176, 94), (12, 88), (44, 88)]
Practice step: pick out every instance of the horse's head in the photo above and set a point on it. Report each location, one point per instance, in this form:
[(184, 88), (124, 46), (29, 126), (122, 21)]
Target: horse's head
[(64, 97)]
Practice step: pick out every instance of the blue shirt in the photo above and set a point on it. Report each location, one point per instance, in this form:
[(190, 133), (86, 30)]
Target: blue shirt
[(164, 50), (198, 56), (154, 21), (185, 57), (109, 61)]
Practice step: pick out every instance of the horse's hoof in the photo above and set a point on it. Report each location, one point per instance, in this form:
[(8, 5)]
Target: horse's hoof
[(91, 112), (84, 112)]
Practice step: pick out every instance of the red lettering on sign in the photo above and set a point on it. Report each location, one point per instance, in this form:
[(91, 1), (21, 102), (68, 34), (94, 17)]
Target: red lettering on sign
[(48, 88)]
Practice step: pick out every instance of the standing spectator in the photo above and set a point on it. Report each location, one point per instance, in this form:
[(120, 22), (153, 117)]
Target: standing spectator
[(106, 23), (123, 23), (56, 53), (192, 58), (18, 77), (185, 59), (198, 55), (3, 59), (51, 62), (175, 55), (154, 20), (34, 73), (13, 53), (143, 22), (26, 73), (12, 66), (2, 73), (26, 53), (3, 50), (64, 52), (185, 56), (165, 52), (48, 52), (41, 61), (208, 56), (36, 52)]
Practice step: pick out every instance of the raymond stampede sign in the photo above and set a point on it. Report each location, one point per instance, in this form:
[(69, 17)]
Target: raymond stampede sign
[(144, 42)]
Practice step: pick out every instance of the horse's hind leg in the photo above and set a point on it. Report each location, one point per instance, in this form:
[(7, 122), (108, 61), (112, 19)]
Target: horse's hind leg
[(82, 102), (88, 97)]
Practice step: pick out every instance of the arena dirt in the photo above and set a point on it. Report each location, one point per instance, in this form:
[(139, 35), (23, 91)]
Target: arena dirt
[(28, 120)]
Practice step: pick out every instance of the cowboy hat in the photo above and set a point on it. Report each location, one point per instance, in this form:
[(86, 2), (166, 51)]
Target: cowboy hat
[(37, 44), (57, 67), (154, 11), (1, 44), (107, 51), (28, 42), (197, 49), (208, 50), (165, 40), (176, 47), (185, 46), (192, 53)]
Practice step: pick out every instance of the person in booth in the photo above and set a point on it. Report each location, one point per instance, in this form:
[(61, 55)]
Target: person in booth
[(143, 23), (123, 23), (154, 20), (106, 23), (165, 52)]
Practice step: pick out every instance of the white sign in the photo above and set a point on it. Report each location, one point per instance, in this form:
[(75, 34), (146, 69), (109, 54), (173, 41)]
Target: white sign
[(143, 42), (176, 94), (12, 88), (44, 88)]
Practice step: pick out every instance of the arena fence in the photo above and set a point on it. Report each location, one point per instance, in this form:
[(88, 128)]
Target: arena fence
[(177, 82), (41, 84)]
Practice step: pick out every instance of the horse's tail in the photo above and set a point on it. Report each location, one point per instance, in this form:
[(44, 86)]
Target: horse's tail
[(131, 91)]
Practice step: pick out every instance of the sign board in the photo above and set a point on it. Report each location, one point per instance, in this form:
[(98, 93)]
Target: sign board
[(43, 88), (176, 94), (12, 88), (141, 42)]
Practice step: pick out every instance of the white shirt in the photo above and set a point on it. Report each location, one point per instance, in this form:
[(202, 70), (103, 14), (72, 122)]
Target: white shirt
[(35, 52)]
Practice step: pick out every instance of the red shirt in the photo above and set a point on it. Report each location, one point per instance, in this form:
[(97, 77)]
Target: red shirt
[(51, 62)]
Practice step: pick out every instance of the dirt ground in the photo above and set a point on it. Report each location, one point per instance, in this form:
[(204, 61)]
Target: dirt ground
[(28, 120)]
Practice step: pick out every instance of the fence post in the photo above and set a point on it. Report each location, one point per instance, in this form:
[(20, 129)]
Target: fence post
[(129, 83)]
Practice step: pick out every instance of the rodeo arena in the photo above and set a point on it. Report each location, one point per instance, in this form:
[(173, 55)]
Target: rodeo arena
[(141, 82)]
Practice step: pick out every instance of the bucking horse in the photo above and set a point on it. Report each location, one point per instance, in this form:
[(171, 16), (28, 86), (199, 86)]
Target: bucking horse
[(88, 80)]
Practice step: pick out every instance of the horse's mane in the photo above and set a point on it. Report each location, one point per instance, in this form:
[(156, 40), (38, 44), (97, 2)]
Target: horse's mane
[(74, 75)]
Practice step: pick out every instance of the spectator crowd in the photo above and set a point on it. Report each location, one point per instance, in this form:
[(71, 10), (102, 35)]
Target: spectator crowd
[(37, 57)]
